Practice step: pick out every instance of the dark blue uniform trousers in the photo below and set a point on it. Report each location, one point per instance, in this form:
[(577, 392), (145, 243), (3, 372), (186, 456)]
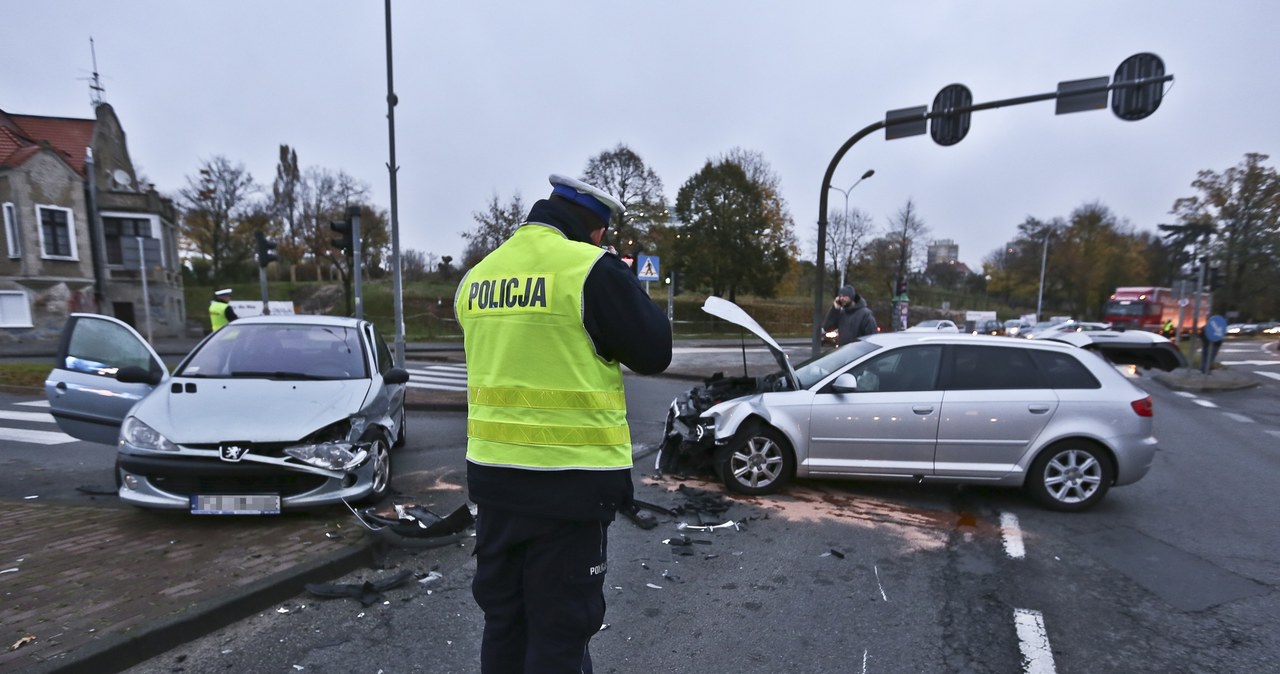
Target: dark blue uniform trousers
[(540, 583)]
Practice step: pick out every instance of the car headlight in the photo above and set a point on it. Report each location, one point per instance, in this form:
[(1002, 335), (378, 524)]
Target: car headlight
[(330, 455), (134, 432)]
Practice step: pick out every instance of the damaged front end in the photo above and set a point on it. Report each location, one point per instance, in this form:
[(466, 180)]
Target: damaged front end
[(690, 438)]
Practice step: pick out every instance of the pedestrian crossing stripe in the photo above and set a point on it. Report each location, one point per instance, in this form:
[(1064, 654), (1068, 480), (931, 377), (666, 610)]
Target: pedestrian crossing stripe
[(35, 437)]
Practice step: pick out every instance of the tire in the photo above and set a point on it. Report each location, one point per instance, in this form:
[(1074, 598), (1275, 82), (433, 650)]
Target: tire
[(1070, 476), (759, 461), (402, 436), (381, 452)]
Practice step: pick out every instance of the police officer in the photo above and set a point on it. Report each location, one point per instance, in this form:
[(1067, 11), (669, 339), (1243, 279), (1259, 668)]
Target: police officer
[(220, 311), (547, 317)]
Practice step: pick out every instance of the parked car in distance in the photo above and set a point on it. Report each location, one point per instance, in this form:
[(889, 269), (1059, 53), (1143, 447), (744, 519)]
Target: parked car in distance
[(267, 414), (988, 328), (1056, 420), (1014, 327), (935, 325), (1068, 326)]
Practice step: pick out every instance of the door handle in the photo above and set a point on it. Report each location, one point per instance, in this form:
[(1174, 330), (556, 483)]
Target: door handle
[(1038, 409), (62, 387), (922, 409)]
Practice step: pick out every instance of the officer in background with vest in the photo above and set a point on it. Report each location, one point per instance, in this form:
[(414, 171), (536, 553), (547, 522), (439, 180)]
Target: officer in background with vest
[(547, 317), (220, 311)]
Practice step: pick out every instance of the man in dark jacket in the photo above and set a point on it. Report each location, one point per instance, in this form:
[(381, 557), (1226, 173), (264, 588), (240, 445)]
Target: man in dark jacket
[(850, 317), (547, 318)]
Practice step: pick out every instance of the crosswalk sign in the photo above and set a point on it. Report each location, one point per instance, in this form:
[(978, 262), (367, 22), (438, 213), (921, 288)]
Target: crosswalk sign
[(648, 269)]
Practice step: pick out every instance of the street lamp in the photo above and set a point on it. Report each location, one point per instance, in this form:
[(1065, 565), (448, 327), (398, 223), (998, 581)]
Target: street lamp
[(1044, 257), (844, 262)]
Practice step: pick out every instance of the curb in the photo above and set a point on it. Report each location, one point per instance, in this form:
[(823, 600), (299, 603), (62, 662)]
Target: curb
[(155, 638)]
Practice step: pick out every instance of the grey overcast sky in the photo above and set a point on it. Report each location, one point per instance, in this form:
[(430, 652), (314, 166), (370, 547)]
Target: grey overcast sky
[(495, 95)]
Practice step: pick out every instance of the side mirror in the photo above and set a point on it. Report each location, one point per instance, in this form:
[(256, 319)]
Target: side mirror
[(845, 383), (132, 374), (396, 375)]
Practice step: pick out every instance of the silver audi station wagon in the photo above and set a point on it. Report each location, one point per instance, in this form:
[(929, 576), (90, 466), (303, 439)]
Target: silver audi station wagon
[(1058, 420)]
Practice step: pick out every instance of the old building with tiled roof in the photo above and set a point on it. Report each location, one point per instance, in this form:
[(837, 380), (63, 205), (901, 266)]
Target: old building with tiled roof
[(80, 232)]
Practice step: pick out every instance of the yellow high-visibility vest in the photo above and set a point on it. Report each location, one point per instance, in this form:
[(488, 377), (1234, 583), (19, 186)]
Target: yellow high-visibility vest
[(218, 314), (538, 395)]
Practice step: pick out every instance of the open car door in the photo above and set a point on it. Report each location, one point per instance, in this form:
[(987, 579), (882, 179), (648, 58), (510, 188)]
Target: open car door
[(85, 398)]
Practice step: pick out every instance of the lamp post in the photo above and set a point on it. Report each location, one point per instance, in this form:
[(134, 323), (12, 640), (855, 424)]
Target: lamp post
[(1044, 257), (844, 261)]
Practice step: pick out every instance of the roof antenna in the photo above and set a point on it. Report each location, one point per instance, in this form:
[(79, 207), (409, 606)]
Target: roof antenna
[(95, 85)]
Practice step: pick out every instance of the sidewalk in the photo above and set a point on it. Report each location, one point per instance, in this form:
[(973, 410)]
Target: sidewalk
[(96, 588)]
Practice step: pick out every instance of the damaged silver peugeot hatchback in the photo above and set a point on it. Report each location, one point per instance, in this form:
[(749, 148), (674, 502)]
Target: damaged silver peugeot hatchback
[(269, 413), (1054, 419)]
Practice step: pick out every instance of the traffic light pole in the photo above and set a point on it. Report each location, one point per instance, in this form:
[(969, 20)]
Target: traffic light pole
[(921, 117), (353, 215), (262, 282)]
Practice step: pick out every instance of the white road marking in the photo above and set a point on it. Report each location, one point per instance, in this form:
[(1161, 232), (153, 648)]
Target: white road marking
[(35, 403), (1012, 536), (35, 437), (864, 661), (436, 387), (1033, 641), (1203, 403), (441, 373), (1274, 433), (882, 594), (1238, 417), (1264, 373), (38, 417), (1250, 363), (1184, 394)]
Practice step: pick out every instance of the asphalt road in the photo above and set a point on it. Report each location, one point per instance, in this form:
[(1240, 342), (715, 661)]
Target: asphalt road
[(1177, 573), (1174, 574)]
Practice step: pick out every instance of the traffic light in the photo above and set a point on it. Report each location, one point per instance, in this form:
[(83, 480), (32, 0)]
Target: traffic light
[(266, 249), (1216, 279), (345, 241), (677, 282)]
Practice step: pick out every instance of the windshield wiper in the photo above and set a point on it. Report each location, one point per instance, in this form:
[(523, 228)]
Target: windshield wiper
[(277, 374)]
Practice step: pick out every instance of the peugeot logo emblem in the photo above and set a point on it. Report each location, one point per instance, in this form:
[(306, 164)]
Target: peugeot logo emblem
[(233, 452)]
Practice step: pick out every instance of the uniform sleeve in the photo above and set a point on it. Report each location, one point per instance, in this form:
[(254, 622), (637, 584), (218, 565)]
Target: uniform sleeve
[(624, 323), (231, 314)]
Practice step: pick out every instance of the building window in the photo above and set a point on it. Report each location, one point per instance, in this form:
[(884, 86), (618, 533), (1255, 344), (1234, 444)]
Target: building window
[(120, 232), (15, 309), (57, 232), (11, 233)]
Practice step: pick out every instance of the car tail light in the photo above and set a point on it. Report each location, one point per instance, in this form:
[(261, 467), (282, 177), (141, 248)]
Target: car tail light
[(1142, 406)]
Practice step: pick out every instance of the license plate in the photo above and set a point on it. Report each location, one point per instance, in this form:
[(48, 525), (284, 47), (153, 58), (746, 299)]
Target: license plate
[(235, 504)]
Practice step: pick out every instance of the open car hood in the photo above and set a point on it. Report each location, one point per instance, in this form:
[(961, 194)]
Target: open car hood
[(726, 310), (1128, 347)]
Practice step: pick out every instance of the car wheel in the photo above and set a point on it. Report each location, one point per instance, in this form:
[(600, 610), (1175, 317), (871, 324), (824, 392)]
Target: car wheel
[(759, 461), (1070, 476), (381, 470), (402, 436)]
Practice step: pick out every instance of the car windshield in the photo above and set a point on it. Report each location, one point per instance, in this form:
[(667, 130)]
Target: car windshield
[(813, 370), (278, 351)]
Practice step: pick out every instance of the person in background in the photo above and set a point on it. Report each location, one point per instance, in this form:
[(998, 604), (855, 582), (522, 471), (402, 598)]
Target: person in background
[(1167, 329), (850, 316), (547, 318), (220, 311)]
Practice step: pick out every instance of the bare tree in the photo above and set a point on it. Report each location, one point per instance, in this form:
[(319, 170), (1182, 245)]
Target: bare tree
[(216, 203), (846, 236), (622, 173), (495, 225), (285, 208), (907, 233)]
